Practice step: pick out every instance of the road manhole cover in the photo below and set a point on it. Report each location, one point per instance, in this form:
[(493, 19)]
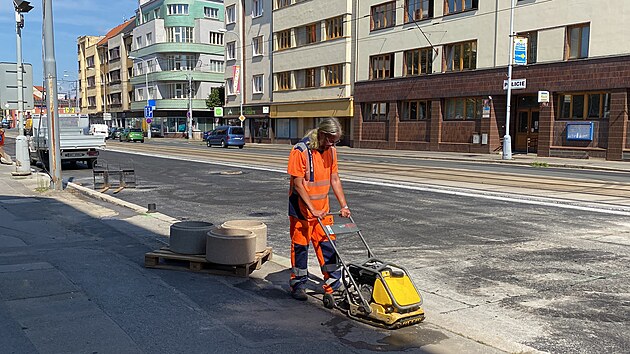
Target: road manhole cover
[(230, 173)]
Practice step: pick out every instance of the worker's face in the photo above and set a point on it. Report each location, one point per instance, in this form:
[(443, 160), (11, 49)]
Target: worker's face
[(328, 140)]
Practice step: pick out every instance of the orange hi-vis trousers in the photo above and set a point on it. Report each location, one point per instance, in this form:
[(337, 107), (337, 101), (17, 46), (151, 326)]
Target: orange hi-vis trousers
[(304, 232)]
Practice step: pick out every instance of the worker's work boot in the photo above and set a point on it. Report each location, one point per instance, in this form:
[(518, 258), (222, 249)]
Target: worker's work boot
[(299, 294)]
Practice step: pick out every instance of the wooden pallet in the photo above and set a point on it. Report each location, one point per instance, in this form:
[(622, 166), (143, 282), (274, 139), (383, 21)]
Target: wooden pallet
[(166, 259)]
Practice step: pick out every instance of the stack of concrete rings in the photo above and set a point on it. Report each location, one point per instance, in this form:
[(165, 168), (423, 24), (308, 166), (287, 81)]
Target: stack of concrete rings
[(257, 227), (189, 237)]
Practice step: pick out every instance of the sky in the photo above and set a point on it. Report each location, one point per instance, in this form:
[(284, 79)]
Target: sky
[(72, 18)]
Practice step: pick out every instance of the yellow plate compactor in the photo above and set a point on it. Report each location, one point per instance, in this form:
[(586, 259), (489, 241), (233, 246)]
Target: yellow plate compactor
[(375, 292)]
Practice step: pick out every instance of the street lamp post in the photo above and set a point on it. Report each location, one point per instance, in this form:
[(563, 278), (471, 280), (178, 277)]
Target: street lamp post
[(507, 140), (23, 164), (146, 87), (241, 59)]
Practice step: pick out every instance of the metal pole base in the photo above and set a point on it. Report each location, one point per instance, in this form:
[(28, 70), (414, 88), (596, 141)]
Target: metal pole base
[(507, 148), (23, 161)]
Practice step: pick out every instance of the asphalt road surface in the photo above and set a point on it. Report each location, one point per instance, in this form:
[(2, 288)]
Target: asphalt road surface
[(549, 277)]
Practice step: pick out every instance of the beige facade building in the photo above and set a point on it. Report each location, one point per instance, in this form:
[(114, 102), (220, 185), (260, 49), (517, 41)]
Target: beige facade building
[(113, 50), (297, 65), (90, 77)]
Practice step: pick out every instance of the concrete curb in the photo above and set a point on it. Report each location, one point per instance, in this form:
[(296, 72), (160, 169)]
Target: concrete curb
[(113, 200)]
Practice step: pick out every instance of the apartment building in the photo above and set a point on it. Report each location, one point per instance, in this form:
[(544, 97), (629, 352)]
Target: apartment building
[(430, 76), (177, 51), (297, 66), (248, 72), (113, 50), (90, 75)]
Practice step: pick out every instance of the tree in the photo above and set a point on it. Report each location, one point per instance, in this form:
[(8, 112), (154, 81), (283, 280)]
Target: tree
[(216, 97)]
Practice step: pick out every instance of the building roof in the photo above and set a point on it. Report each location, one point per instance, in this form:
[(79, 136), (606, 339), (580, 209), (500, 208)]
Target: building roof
[(116, 30)]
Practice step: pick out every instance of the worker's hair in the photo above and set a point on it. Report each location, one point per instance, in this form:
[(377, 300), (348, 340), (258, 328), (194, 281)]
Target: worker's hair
[(327, 126)]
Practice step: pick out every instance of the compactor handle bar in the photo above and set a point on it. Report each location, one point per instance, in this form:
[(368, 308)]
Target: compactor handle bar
[(367, 247)]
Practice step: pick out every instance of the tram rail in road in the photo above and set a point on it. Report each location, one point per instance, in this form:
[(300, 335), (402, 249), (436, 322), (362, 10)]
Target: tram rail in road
[(601, 193)]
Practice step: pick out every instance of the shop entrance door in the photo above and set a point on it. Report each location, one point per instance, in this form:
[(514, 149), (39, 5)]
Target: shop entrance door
[(527, 130)]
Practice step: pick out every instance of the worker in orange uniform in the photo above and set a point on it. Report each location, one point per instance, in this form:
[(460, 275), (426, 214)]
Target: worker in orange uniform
[(313, 170), (4, 157)]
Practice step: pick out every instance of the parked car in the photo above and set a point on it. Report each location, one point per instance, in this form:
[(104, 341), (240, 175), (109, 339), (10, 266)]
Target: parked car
[(156, 131), (100, 130), (132, 134), (114, 132), (226, 136), (206, 134)]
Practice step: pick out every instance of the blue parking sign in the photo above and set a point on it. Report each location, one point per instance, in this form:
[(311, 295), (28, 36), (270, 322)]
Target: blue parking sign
[(148, 112)]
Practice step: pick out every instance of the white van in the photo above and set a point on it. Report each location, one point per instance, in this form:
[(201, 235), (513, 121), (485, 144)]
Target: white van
[(100, 130)]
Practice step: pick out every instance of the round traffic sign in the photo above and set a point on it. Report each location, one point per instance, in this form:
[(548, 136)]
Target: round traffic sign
[(149, 120)]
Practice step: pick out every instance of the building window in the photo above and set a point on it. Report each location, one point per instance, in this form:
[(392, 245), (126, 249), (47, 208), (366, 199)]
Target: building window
[(92, 101), (577, 41), (216, 38), (139, 69), (375, 111), (461, 56), (149, 38), (532, 45), (418, 61), (178, 90), (181, 62), (283, 39), (334, 27), (414, 110), (462, 108), (114, 53), (454, 6), (334, 75), (381, 66), (178, 9), (312, 33), (114, 77), (584, 106), (230, 50), (257, 45), (307, 78), (283, 81), (211, 12), (383, 16), (230, 14), (216, 66), (229, 87), (416, 10), (311, 77), (91, 82), (282, 3), (89, 61), (286, 128), (258, 83), (179, 34), (156, 13), (257, 8)]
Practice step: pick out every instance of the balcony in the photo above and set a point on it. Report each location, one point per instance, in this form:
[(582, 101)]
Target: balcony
[(177, 76), (171, 104), (178, 48)]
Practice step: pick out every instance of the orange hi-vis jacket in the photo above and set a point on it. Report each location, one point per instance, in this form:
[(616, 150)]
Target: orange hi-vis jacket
[(315, 167)]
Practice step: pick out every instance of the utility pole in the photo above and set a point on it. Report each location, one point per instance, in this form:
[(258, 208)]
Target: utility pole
[(507, 140), (50, 72), (189, 115), (23, 163)]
